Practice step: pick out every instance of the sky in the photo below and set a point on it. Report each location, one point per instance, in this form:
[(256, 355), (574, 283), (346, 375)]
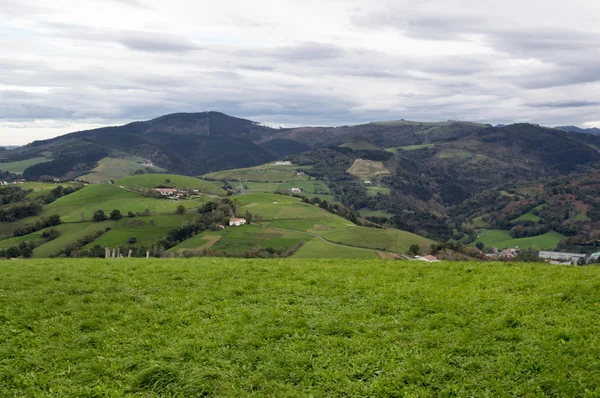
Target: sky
[(70, 65)]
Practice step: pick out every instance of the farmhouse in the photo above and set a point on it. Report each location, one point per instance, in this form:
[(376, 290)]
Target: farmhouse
[(296, 190), (236, 222), (172, 193)]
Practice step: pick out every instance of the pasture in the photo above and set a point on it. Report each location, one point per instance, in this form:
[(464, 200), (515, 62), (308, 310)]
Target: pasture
[(19, 167), (368, 169), (113, 168), (297, 328), (266, 173), (149, 181), (502, 239)]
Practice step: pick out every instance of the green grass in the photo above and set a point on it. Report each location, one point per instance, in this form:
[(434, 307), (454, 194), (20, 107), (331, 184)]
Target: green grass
[(20, 166), (502, 239), (146, 230), (197, 241), (266, 173), (317, 248), (373, 191), (368, 169), (149, 181), (479, 223), (528, 217), (297, 328), (114, 168), (246, 237), (410, 147), (83, 204), (582, 217), (379, 239), (374, 213)]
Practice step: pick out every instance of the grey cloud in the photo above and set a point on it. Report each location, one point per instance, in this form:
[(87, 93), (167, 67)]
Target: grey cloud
[(307, 52), (563, 104), (151, 42)]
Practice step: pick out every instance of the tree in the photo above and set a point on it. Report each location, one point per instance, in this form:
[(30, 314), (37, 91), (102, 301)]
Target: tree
[(13, 252), (180, 209), (414, 249), (116, 215), (480, 245), (99, 215)]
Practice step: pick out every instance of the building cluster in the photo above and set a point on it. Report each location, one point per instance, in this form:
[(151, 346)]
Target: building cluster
[(172, 193), (568, 258)]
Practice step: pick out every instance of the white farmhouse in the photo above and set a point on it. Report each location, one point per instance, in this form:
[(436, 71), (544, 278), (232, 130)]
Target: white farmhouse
[(236, 222)]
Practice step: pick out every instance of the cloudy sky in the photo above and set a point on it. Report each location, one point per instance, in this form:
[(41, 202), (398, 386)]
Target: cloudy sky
[(68, 65)]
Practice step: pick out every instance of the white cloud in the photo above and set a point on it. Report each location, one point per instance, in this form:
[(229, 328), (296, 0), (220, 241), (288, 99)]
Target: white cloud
[(71, 64)]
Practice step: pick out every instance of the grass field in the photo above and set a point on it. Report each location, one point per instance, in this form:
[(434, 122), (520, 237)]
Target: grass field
[(528, 217), (267, 173), (502, 239), (368, 169), (317, 248), (149, 181), (246, 237), (374, 213), (297, 328), (114, 168), (373, 191), (20, 166), (410, 148)]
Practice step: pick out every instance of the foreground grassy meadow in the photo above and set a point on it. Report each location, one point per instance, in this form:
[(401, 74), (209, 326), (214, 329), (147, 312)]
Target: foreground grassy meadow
[(279, 328)]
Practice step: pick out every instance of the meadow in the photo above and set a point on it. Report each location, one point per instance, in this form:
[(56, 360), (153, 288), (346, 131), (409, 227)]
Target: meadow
[(267, 173), (149, 181), (113, 168), (20, 166), (297, 328), (502, 239)]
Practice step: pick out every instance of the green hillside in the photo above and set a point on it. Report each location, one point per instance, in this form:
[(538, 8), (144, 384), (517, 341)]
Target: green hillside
[(267, 173), (149, 181), (297, 328), (20, 165)]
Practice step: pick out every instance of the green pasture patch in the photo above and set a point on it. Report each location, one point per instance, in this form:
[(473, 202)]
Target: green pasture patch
[(113, 168), (268, 173), (317, 248), (247, 237), (373, 191), (528, 217), (374, 213), (454, 153), (392, 240), (297, 328), (19, 167), (502, 239), (582, 216)]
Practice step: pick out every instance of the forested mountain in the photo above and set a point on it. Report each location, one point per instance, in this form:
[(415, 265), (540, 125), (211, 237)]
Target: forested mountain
[(197, 143), (575, 129)]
